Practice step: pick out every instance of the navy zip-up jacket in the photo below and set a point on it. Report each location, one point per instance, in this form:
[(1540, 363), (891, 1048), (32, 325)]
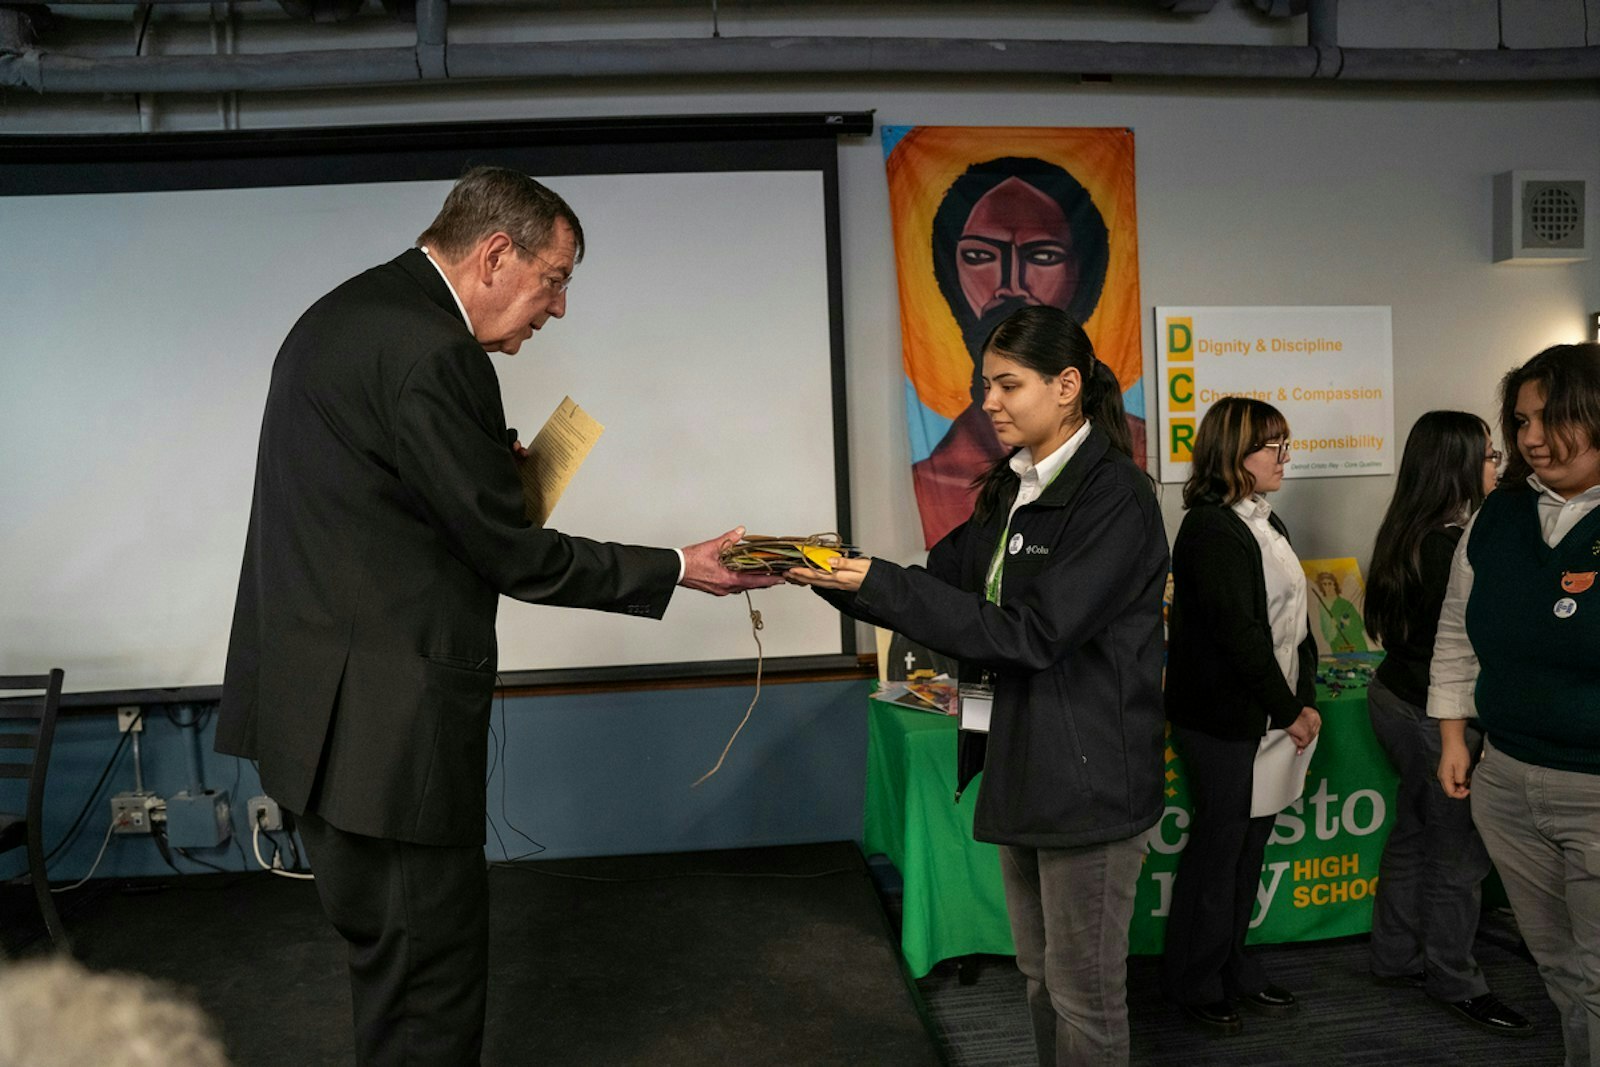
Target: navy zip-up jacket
[(1076, 736)]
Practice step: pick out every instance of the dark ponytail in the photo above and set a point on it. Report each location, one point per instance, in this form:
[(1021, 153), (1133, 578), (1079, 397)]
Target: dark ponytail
[(1102, 403), (1047, 341)]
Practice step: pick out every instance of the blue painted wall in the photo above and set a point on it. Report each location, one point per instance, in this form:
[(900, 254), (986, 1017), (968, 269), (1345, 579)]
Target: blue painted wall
[(592, 775)]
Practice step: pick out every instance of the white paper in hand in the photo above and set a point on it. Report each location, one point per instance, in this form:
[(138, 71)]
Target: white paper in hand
[(1280, 773)]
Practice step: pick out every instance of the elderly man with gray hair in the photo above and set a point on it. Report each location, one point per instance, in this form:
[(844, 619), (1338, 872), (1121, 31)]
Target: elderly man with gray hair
[(387, 522)]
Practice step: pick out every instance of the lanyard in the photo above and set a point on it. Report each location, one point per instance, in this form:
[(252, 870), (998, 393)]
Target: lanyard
[(997, 564)]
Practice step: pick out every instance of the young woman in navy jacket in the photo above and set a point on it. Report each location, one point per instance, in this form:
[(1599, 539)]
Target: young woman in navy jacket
[(1053, 590)]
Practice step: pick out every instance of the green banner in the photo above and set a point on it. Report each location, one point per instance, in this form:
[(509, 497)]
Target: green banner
[(1321, 865)]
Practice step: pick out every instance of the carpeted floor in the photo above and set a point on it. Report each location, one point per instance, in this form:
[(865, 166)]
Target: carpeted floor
[(1344, 1020), (759, 956)]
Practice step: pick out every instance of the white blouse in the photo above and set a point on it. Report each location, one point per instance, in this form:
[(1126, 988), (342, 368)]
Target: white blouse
[(1286, 586)]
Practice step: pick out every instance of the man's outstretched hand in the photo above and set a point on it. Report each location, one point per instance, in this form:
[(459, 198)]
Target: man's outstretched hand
[(703, 569)]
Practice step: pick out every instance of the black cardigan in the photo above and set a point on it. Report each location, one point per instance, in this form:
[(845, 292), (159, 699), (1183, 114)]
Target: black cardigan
[(1223, 677)]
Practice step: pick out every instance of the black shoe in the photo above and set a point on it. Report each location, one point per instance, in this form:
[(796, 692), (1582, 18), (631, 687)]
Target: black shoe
[(1273, 1000), (1401, 981), (1486, 1012), (1219, 1018)]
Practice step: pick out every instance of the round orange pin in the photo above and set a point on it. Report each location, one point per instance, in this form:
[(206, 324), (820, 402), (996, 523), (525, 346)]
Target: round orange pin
[(1576, 581)]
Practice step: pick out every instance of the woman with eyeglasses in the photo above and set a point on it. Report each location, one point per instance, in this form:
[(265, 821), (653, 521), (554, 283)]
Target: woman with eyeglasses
[(1240, 659), (1519, 650), (1425, 917)]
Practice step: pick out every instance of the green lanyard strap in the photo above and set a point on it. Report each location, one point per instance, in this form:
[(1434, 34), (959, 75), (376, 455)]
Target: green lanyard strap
[(997, 563)]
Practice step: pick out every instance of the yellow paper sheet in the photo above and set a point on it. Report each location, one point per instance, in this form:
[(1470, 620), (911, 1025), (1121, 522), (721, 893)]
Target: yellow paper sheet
[(554, 456)]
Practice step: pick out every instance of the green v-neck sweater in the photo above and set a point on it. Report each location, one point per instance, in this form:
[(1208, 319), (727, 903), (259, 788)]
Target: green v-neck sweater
[(1534, 621)]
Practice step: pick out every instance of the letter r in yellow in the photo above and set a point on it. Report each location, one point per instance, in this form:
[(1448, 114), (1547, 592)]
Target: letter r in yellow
[(1180, 440)]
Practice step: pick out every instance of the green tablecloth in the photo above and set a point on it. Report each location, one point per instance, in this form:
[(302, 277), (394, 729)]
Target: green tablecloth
[(1321, 865)]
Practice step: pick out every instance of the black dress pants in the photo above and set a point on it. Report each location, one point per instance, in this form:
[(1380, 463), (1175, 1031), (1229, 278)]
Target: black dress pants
[(416, 919), (1218, 875)]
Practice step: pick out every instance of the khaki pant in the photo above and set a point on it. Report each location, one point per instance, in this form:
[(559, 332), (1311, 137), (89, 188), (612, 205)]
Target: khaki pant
[(1542, 828)]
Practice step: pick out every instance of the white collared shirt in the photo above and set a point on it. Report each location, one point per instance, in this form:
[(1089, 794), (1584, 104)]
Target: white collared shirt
[(1286, 586), (1033, 477), (453, 294), (1454, 673)]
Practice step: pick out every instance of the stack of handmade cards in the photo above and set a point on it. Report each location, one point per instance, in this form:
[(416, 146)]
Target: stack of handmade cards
[(774, 555)]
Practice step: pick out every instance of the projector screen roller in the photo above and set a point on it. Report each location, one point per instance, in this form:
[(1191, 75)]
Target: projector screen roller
[(701, 331)]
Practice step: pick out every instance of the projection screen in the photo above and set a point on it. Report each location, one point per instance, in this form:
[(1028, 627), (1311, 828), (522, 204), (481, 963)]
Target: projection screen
[(145, 300)]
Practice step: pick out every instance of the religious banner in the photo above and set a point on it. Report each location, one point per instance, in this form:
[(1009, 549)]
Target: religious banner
[(988, 220), (1337, 606), (1330, 370)]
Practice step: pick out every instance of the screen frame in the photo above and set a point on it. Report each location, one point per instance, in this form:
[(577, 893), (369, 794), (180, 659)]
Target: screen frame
[(36, 165)]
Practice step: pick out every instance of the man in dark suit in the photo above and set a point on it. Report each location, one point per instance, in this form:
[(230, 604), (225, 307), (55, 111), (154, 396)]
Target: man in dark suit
[(387, 521)]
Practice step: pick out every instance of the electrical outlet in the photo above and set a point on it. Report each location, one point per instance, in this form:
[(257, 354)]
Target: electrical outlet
[(128, 718), (132, 813), (264, 813)]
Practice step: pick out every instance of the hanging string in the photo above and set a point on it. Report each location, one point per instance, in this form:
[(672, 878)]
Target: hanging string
[(755, 632)]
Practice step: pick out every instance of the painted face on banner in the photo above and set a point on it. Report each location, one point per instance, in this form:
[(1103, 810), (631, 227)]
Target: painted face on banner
[(1016, 248)]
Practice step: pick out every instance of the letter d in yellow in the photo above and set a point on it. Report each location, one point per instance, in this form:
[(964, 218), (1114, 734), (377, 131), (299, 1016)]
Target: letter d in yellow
[(1180, 339)]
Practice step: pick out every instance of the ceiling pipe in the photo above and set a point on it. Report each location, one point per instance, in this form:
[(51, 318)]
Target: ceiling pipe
[(431, 19), (50, 72), (1322, 34)]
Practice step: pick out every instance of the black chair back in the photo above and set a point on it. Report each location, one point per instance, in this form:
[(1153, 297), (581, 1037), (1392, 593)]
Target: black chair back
[(35, 701)]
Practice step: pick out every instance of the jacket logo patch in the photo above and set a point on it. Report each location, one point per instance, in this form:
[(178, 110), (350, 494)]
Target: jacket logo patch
[(1015, 544), (1038, 550)]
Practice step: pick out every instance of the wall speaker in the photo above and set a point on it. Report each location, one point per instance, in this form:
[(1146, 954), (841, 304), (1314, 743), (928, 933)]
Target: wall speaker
[(1539, 217)]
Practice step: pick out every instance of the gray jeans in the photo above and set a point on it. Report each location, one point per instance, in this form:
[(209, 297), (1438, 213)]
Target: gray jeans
[(1429, 883), (1542, 827), (1069, 910)]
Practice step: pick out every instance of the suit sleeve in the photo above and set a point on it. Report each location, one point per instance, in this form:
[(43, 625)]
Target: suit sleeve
[(1098, 570), (1211, 571), (450, 448)]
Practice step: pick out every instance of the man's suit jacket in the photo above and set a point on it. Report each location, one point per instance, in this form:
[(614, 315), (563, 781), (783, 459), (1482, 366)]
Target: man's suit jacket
[(387, 521)]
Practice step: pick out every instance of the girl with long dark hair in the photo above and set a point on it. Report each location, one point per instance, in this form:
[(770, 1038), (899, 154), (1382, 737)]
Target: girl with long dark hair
[(1425, 917), (1052, 589), (1519, 650)]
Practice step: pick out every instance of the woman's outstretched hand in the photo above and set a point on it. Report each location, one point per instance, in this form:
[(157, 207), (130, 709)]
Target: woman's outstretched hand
[(847, 574)]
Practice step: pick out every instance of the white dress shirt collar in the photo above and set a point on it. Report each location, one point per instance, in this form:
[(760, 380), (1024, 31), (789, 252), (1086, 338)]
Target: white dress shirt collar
[(453, 294), (1587, 496), (1046, 469), (1252, 508)]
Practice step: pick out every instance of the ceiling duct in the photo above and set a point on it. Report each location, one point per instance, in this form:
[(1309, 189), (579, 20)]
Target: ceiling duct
[(432, 58), (320, 10)]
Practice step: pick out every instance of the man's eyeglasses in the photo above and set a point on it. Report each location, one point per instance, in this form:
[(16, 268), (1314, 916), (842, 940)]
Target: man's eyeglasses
[(555, 283), (1494, 455), (1281, 446)]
